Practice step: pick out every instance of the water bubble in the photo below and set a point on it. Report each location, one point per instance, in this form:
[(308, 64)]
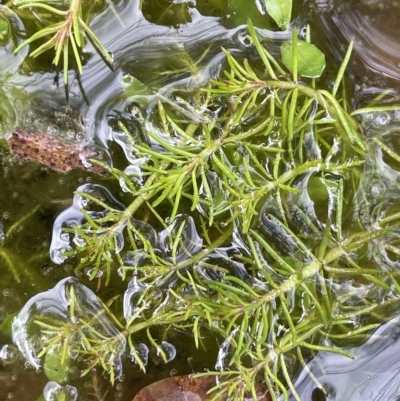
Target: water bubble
[(10, 396), (88, 179), (53, 129), (61, 181), (93, 272), (68, 268), (141, 350), (79, 136), (6, 215), (381, 120), (378, 189), (8, 354), (54, 392), (119, 387), (173, 372), (168, 349)]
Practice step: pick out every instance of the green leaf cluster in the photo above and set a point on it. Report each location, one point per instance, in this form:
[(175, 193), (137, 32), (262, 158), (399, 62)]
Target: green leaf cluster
[(66, 35), (268, 166)]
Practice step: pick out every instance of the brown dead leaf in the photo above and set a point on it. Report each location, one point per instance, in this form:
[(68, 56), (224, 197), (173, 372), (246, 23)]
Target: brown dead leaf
[(183, 388)]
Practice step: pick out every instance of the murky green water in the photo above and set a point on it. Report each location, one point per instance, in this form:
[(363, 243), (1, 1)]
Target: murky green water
[(173, 47)]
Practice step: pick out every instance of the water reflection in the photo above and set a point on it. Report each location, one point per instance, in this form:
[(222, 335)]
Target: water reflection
[(373, 26), (371, 375)]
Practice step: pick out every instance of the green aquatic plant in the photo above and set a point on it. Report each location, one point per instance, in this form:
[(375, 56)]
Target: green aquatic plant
[(67, 34), (249, 219)]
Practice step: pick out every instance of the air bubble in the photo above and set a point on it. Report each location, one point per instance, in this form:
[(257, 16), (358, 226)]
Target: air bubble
[(6, 215), (173, 372), (142, 351), (381, 120), (53, 129), (93, 272), (61, 181), (378, 189), (168, 349), (8, 354), (54, 392)]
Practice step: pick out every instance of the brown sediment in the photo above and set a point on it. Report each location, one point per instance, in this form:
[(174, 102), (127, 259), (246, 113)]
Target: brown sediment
[(38, 147)]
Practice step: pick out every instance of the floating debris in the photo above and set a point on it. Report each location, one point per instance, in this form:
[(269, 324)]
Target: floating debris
[(38, 147)]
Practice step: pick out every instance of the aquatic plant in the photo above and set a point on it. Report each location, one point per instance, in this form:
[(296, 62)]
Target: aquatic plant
[(68, 33), (250, 219), (259, 215)]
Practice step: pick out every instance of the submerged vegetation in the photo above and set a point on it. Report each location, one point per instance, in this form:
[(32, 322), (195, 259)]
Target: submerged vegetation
[(259, 215)]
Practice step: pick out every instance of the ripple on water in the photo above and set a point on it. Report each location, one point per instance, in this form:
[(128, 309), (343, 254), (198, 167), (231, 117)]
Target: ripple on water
[(72, 216), (373, 26), (372, 374), (58, 310)]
